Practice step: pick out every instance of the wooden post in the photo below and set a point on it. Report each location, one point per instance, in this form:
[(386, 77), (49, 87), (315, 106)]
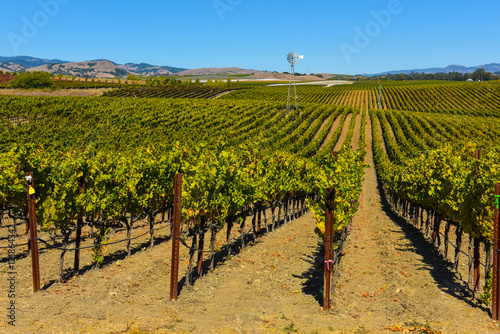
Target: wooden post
[(78, 242), (174, 270), (30, 184), (495, 313), (201, 246), (477, 272), (435, 229), (328, 266), (329, 222)]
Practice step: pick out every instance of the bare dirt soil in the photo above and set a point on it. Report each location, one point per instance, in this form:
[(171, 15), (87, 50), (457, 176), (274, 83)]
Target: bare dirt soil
[(334, 127), (343, 135), (356, 132), (389, 276)]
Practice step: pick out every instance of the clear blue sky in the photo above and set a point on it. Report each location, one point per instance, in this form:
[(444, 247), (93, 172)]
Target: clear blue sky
[(335, 36)]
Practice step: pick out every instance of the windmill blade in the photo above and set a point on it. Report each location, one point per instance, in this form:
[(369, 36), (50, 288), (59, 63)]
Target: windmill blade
[(292, 57)]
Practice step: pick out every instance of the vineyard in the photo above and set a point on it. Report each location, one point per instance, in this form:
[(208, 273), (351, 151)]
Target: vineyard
[(73, 146), (481, 98), (104, 172), (190, 91), (431, 163)]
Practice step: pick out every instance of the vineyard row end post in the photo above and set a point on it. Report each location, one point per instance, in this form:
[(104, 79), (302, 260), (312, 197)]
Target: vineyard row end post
[(495, 312), (174, 268), (35, 263), (329, 223)]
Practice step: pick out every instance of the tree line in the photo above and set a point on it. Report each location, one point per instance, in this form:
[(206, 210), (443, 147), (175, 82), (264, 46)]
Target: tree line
[(164, 80), (479, 75)]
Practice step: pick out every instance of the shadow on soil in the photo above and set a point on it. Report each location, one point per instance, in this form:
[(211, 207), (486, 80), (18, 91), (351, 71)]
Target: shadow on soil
[(314, 276), (440, 268)]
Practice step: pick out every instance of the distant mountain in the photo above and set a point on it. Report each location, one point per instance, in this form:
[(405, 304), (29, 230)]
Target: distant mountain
[(218, 71), (92, 69), (145, 69), (493, 68), (28, 62), (104, 68), (8, 66), (95, 68)]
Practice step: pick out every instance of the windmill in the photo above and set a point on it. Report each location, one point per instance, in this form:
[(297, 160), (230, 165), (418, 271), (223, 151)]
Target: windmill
[(292, 58)]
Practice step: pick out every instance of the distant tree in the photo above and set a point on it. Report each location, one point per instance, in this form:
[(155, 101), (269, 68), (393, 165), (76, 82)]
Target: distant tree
[(456, 76), (197, 81), (174, 82), (155, 81), (451, 76), (228, 81), (132, 77), (1, 72), (29, 80), (481, 75), (399, 77)]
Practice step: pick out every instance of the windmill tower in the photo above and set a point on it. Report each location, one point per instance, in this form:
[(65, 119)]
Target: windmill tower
[(292, 58)]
